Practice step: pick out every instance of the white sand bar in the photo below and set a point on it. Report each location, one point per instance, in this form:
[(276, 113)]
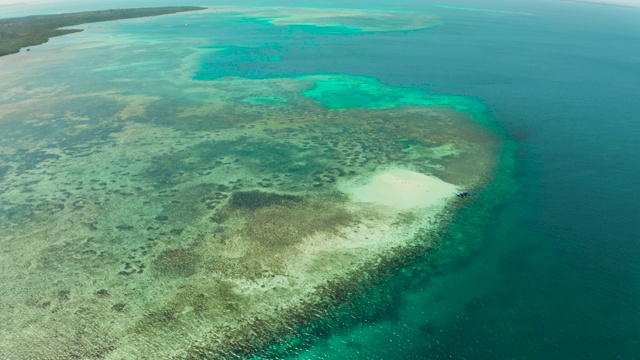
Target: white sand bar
[(401, 189)]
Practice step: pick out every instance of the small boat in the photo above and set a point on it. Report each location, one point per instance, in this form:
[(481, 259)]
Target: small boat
[(463, 194)]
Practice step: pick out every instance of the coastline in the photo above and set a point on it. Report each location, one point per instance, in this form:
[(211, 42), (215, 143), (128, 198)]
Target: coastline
[(22, 32)]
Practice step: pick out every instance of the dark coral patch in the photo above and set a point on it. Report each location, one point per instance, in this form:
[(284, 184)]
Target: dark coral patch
[(102, 293), (3, 171), (256, 199), (177, 262)]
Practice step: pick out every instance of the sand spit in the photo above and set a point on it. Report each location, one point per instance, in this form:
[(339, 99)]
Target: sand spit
[(402, 189)]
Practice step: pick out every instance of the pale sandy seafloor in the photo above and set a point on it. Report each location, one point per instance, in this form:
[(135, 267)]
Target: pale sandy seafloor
[(360, 19), (147, 215)]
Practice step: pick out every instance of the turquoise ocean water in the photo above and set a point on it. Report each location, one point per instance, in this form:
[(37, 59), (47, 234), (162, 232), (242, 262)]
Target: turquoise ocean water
[(557, 276), (558, 272), (546, 264)]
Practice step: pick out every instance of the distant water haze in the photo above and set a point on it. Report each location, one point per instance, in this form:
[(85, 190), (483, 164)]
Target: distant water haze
[(12, 8), (16, 8), (632, 3)]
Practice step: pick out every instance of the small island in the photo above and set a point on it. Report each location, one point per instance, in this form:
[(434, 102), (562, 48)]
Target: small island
[(17, 33)]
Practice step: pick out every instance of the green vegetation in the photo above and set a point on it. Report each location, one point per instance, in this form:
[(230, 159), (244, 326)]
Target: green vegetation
[(16, 33)]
